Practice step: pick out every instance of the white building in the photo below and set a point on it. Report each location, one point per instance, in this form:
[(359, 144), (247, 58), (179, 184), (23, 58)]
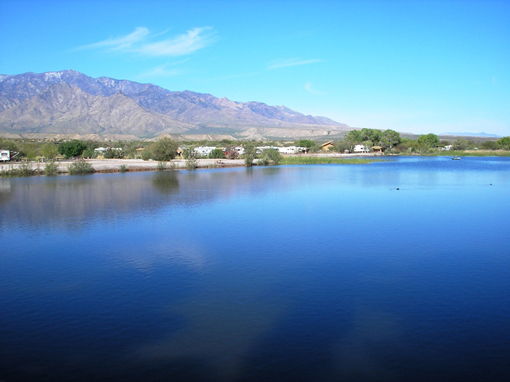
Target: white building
[(360, 149)]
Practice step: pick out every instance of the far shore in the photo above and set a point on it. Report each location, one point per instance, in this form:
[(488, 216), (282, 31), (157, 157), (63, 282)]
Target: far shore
[(135, 165)]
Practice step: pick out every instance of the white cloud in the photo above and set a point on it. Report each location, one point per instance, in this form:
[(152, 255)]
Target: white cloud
[(292, 62), (310, 89), (161, 71), (141, 41)]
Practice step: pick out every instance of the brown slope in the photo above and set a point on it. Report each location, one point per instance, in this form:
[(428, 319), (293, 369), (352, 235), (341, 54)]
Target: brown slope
[(65, 109)]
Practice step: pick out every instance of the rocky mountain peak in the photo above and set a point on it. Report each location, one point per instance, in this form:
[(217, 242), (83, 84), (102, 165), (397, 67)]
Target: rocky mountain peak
[(153, 109)]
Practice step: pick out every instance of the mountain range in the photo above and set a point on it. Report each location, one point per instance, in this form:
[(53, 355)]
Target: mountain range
[(68, 102), (481, 135)]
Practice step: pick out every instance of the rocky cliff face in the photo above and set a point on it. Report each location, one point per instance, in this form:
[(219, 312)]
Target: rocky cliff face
[(69, 102)]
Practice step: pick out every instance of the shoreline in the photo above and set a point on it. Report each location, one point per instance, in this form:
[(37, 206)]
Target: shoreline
[(140, 165)]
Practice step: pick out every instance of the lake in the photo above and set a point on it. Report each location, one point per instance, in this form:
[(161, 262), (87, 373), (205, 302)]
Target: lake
[(392, 271)]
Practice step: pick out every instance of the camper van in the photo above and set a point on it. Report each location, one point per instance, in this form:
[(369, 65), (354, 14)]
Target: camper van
[(5, 155)]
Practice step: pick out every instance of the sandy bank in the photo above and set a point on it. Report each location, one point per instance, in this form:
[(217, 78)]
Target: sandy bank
[(113, 165)]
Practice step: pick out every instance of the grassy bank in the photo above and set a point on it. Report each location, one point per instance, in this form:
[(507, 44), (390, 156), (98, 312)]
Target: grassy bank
[(326, 160), (468, 153)]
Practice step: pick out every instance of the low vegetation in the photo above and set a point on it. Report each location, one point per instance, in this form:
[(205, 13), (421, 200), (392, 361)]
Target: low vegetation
[(325, 160), (24, 169), (164, 150), (51, 168), (161, 166), (270, 157), (80, 167)]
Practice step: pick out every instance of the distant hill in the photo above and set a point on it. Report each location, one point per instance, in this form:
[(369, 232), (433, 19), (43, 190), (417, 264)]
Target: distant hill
[(69, 102), (483, 135)]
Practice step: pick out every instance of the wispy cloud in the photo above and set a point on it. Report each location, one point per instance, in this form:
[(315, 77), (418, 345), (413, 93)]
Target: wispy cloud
[(292, 62), (310, 89), (142, 41), (165, 70)]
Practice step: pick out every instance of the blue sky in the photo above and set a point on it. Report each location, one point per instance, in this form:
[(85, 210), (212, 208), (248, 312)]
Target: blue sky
[(411, 66)]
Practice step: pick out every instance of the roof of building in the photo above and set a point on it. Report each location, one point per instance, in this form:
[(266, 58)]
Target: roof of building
[(328, 143)]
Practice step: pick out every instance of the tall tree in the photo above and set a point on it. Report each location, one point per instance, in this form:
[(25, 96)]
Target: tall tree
[(504, 143), (389, 138), (429, 140)]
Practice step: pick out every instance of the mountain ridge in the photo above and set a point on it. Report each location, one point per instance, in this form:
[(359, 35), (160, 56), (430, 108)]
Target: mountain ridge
[(70, 102), (482, 134)]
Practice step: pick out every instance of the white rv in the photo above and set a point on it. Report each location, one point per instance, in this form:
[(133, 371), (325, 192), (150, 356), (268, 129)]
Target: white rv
[(5, 155)]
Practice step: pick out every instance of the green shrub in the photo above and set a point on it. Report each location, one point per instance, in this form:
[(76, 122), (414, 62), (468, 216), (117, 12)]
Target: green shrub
[(189, 152), (49, 151), (80, 167), (191, 163), (72, 148), (51, 168), (161, 166), (217, 154), (146, 154), (110, 153), (270, 156), (123, 168), (164, 150), (250, 153), (89, 153)]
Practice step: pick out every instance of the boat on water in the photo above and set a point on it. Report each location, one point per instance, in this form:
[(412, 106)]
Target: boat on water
[(455, 158)]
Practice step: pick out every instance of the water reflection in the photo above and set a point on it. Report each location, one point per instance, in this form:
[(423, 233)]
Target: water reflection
[(80, 199), (6, 191), (362, 355), (279, 273), (166, 182)]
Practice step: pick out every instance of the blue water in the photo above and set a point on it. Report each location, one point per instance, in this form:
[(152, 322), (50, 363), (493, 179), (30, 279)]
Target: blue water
[(297, 273)]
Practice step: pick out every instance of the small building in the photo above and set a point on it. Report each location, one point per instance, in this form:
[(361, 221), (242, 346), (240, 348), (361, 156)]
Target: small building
[(376, 149), (138, 153), (5, 155), (360, 149), (327, 146)]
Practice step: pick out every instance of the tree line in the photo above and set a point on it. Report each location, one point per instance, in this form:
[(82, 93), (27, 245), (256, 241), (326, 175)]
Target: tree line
[(165, 149)]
